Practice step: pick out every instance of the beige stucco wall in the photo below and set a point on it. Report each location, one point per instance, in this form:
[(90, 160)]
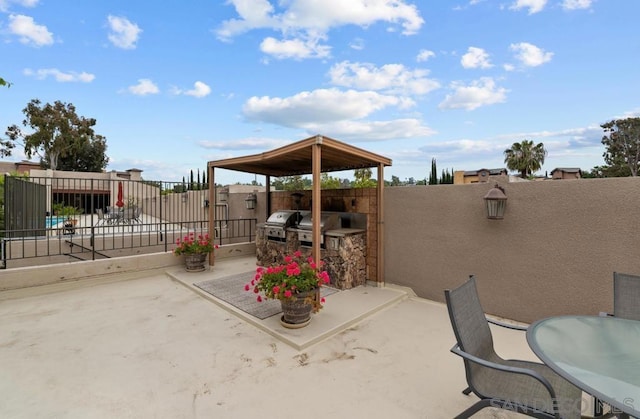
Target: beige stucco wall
[(31, 276), (554, 252)]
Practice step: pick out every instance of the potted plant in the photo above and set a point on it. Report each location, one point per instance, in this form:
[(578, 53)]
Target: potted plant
[(195, 250), (296, 283), (57, 208), (69, 213)]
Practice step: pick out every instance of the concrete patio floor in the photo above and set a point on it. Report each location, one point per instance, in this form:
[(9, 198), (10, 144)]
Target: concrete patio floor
[(150, 346)]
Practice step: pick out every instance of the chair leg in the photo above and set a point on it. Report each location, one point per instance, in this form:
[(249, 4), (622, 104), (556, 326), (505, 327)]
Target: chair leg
[(466, 391), (481, 404)]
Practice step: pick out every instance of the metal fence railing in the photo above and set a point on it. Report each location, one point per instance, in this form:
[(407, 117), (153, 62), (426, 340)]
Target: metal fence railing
[(88, 219)]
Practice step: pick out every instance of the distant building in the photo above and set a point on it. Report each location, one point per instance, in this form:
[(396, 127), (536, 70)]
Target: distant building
[(566, 173), (23, 166), (461, 177)]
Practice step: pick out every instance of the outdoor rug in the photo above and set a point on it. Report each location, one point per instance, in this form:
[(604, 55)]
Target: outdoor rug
[(231, 290)]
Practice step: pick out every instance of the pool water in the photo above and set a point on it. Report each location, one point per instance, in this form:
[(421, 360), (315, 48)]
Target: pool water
[(51, 221)]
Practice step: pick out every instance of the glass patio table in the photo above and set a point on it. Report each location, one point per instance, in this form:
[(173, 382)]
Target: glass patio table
[(600, 355)]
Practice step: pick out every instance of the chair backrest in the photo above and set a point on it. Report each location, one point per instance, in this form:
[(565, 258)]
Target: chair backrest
[(100, 213), (626, 296), (468, 320)]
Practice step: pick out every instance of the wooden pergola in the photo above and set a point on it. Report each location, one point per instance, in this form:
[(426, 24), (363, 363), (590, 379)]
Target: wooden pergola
[(314, 155)]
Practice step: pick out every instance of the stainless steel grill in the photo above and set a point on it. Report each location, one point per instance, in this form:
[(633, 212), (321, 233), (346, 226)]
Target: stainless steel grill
[(278, 222), (328, 221)]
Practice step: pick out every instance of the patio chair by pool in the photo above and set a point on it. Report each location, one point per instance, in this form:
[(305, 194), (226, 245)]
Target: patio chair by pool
[(527, 387), (113, 215), (626, 294), (100, 214)]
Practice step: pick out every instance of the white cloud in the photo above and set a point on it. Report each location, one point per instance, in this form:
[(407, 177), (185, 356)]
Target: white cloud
[(60, 76), (372, 130), (294, 48), (530, 55), (508, 67), (144, 87), (29, 32), (200, 89), (391, 78), (5, 4), (479, 93), (315, 18), (304, 23), (424, 55), (319, 106), (251, 143), (534, 6), (576, 4), (476, 58), (124, 34), (357, 44)]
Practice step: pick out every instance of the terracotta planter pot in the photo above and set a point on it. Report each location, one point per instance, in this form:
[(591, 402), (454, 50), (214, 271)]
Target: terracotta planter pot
[(195, 262)]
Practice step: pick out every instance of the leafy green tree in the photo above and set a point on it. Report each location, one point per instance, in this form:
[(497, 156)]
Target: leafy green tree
[(329, 182), (447, 177), (58, 132), (362, 178), (525, 157), (90, 156), (5, 147), (3, 82), (433, 178), (622, 142), (395, 181), (291, 183)]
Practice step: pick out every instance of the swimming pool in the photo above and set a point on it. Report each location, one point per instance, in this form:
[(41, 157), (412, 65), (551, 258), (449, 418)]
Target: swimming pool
[(52, 221)]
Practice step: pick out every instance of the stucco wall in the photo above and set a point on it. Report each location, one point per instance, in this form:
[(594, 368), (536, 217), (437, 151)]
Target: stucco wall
[(554, 252)]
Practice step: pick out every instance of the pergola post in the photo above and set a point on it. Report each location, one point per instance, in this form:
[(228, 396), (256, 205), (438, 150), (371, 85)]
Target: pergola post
[(212, 212), (380, 223), (316, 167)]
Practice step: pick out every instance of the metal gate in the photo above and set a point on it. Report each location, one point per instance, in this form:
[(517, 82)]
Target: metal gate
[(25, 207)]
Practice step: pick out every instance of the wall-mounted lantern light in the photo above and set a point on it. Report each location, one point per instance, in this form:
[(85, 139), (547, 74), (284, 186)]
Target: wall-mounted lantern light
[(496, 202), (223, 194), (250, 201), (297, 199)]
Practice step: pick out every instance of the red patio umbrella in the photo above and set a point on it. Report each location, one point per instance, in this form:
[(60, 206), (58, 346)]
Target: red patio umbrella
[(120, 202)]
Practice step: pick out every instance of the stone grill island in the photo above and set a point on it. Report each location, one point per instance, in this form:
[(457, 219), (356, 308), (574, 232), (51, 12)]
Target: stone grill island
[(343, 243)]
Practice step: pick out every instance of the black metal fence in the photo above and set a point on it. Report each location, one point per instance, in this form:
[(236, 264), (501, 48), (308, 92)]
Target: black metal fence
[(51, 220)]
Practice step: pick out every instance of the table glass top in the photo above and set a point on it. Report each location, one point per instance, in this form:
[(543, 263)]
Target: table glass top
[(601, 355)]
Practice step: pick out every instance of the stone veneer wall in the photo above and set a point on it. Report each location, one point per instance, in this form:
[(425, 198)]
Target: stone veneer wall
[(357, 200), (346, 265)]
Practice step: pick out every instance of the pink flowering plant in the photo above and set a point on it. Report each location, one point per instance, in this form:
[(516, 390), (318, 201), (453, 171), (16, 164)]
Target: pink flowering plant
[(286, 281), (191, 244)]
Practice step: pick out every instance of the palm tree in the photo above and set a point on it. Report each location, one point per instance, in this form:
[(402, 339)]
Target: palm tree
[(524, 157)]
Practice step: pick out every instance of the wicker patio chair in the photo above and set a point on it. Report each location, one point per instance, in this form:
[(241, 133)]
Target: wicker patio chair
[(529, 388), (626, 294)]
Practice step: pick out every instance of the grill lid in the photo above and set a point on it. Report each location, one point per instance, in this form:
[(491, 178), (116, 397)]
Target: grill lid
[(328, 221), (283, 218)]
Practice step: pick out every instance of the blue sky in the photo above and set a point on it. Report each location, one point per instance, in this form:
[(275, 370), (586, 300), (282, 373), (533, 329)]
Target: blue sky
[(173, 85)]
